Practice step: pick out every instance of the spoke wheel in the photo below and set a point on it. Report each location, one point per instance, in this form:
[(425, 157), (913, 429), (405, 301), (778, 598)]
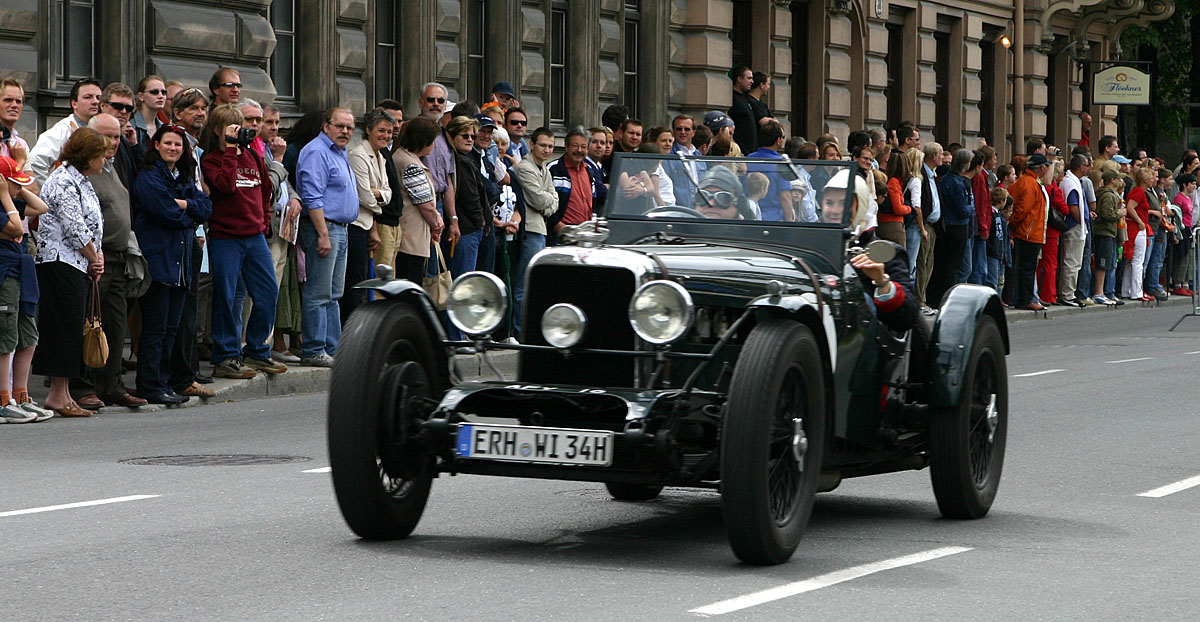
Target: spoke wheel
[(772, 442), (966, 443), (385, 372)]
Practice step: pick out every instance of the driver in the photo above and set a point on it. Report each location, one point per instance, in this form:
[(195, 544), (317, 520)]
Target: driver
[(889, 284), (720, 195)]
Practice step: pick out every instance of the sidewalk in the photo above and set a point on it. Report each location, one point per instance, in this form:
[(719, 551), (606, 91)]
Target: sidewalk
[(301, 380)]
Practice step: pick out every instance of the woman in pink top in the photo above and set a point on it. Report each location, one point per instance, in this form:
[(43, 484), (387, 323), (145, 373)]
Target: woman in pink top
[(1182, 275)]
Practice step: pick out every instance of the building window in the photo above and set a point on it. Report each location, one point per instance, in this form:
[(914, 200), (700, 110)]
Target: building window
[(941, 70), (633, 22), (385, 50), (896, 93), (476, 86), (743, 31), (558, 63), (73, 39), (800, 68), (283, 61), (987, 91)]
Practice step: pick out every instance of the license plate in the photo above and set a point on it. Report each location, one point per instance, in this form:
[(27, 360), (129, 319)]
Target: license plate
[(525, 444)]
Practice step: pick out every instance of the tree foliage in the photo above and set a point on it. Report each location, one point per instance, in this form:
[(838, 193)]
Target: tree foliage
[(1169, 45)]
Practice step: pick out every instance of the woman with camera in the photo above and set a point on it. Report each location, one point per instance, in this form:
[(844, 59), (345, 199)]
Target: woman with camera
[(169, 207), (237, 245), (68, 254)]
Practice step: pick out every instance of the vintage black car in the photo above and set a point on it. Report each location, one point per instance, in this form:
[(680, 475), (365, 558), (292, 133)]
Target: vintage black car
[(685, 340)]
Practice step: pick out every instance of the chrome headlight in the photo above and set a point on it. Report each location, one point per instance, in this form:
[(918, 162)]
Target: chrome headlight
[(477, 303), (660, 311), (563, 325)]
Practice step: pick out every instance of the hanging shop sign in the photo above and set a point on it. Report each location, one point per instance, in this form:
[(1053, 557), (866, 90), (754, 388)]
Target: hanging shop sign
[(1121, 85)]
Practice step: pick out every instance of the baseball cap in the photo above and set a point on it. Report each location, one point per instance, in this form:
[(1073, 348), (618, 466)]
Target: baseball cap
[(485, 121), (715, 120), (1037, 160), (1120, 159), (503, 88), (11, 172)]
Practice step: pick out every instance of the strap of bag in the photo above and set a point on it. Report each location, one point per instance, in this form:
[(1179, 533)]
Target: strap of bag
[(94, 305)]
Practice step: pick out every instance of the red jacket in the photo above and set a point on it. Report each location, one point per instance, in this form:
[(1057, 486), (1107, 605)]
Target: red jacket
[(896, 201), (240, 192), (983, 204)]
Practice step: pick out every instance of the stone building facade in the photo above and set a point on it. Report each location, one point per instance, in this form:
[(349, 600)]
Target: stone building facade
[(836, 65)]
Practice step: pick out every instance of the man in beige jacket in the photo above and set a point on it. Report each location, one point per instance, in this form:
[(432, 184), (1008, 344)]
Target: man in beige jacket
[(541, 201)]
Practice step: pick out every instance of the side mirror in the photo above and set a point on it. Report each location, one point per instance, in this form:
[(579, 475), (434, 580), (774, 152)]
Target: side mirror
[(881, 251)]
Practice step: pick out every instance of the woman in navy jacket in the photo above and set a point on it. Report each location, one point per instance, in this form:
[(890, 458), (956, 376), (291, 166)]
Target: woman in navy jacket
[(168, 206)]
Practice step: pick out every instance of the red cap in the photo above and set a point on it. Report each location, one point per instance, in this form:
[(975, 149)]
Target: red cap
[(10, 171)]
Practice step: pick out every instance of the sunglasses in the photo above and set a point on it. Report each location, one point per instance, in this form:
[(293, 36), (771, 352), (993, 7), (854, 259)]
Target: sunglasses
[(121, 107), (435, 100), (721, 198), (230, 85), (467, 136), (685, 129), (156, 91), (516, 122)]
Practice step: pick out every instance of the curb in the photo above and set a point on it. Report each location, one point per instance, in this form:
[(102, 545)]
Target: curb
[(1016, 316)]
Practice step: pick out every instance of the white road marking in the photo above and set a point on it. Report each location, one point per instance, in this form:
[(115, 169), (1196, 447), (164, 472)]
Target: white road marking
[(1039, 373), (825, 580), (81, 504), (1171, 489), (320, 470), (1144, 358), (1196, 352)]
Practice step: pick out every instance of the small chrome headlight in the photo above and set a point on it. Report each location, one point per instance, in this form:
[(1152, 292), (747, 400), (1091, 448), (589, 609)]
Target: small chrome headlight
[(477, 303), (563, 325), (661, 312)]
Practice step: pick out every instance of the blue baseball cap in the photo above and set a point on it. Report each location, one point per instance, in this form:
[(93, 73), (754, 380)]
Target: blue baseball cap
[(715, 120), (503, 88), (1120, 159), (485, 121)]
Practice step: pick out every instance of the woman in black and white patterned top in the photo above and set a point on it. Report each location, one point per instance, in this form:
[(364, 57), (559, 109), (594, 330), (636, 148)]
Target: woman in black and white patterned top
[(68, 254)]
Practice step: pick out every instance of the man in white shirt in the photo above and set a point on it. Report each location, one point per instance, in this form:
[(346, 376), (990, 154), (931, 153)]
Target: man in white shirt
[(85, 104)]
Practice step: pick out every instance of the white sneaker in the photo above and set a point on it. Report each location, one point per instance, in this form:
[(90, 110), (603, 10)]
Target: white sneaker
[(32, 407), (511, 341), (284, 357), (320, 360), (12, 414)]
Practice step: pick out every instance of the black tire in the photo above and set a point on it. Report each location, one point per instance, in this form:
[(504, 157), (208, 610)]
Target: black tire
[(966, 443), (767, 492), (381, 472), (622, 491)]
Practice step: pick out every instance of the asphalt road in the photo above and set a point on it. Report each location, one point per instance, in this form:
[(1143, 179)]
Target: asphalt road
[(1068, 539)]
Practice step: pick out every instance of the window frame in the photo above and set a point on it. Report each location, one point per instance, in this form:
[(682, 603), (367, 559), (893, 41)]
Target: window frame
[(631, 30), (281, 34), (63, 41)]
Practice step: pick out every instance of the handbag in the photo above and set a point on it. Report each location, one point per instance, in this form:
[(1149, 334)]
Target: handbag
[(1058, 220), (95, 344), (438, 287)]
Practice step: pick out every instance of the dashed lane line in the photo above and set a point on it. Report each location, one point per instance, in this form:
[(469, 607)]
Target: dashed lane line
[(320, 470), (825, 580), (1039, 373), (1171, 489), (1142, 358), (81, 504)]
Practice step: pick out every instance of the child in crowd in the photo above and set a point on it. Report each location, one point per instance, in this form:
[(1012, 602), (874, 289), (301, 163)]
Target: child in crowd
[(999, 251), (1110, 210), (1182, 274), (757, 186)]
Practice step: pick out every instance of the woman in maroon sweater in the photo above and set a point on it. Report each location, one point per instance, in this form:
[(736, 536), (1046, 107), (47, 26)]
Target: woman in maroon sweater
[(241, 203)]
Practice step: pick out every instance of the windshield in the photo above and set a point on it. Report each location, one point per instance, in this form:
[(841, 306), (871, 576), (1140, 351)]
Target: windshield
[(732, 189)]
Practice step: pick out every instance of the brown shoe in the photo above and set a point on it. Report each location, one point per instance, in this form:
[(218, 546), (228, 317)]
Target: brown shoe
[(74, 411), (126, 400), (198, 390), (90, 401)]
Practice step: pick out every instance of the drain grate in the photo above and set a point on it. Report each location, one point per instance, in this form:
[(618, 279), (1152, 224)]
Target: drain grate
[(216, 460)]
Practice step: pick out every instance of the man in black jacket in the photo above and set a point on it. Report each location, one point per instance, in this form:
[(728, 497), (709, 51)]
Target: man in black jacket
[(745, 131)]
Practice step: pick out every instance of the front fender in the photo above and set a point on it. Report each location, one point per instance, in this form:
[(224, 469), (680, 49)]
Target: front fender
[(804, 304), (953, 337), (402, 289)]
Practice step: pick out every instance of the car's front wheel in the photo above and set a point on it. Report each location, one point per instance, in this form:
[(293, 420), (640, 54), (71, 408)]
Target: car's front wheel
[(381, 386), (772, 442), (966, 442)]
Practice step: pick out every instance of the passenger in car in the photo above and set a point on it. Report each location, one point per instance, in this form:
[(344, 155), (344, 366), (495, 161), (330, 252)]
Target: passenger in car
[(721, 196)]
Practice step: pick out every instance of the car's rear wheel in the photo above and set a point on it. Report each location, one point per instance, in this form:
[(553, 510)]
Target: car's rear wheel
[(966, 442), (622, 491), (382, 382), (772, 442)]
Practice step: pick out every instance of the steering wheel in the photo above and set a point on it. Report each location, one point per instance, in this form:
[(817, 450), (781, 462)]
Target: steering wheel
[(663, 210)]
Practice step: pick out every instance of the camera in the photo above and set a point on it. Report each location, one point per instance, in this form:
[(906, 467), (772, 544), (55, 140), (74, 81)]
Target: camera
[(1056, 152), (243, 139), (5, 134)]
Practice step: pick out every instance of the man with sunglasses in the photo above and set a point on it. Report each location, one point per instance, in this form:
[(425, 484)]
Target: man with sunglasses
[(440, 161), (683, 128), (85, 104), (117, 100), (225, 85), (516, 123)]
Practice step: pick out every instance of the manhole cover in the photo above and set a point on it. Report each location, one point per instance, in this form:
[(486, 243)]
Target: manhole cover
[(216, 460)]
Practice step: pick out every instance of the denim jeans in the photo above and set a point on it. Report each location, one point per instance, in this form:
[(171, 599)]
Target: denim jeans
[(963, 274), (466, 253), (979, 261), (487, 252), (247, 259), (1084, 288), (320, 314), (995, 269), (912, 235), (531, 243), (162, 307), (1157, 255)]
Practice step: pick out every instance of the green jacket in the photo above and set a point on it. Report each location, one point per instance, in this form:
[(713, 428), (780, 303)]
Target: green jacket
[(1108, 209)]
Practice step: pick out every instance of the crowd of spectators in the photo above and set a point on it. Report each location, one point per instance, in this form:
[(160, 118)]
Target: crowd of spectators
[(199, 230)]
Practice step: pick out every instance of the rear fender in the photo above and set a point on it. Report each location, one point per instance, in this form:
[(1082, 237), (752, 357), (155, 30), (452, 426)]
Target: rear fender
[(953, 337)]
